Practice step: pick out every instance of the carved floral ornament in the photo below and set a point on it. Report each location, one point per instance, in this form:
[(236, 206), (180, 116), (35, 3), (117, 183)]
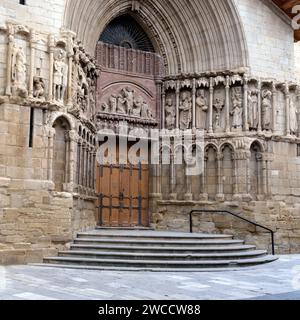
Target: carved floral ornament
[(57, 74)]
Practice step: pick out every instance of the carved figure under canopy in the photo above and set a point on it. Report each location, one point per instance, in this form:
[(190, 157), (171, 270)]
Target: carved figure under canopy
[(19, 71), (60, 75), (237, 109), (293, 118), (185, 108), (202, 106), (266, 109), (253, 109), (170, 114)]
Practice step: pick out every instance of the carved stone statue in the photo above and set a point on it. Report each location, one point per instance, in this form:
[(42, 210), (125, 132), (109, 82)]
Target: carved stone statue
[(138, 106), (185, 108), (113, 103), (237, 109), (121, 108), (60, 75), (202, 105), (38, 88), (19, 71), (253, 109), (266, 109), (128, 95), (145, 110), (170, 114), (219, 105), (293, 118)]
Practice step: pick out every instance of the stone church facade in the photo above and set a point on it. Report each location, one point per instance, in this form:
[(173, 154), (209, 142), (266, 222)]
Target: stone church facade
[(71, 68)]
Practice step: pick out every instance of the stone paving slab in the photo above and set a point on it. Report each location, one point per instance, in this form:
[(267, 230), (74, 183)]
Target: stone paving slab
[(279, 280)]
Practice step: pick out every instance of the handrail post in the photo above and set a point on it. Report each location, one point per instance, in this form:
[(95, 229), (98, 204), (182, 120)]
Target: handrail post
[(273, 246), (234, 215)]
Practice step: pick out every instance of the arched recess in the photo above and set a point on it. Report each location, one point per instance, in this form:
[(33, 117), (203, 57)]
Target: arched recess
[(228, 171), (211, 170), (197, 36), (61, 150), (256, 170)]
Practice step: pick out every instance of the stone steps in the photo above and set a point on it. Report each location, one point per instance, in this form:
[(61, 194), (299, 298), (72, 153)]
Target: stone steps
[(162, 243), (146, 250), (143, 249), (162, 256)]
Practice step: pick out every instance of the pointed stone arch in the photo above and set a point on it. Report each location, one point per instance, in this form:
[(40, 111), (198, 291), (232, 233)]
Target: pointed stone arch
[(202, 36)]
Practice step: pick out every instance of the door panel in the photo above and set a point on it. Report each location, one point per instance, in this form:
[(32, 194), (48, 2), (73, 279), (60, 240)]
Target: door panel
[(123, 195)]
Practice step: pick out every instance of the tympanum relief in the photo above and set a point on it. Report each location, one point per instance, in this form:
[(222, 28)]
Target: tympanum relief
[(127, 103)]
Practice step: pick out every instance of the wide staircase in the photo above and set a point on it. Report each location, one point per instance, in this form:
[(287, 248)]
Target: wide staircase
[(148, 250)]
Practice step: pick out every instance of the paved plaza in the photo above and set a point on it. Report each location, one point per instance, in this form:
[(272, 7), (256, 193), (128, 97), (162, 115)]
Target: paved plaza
[(278, 280)]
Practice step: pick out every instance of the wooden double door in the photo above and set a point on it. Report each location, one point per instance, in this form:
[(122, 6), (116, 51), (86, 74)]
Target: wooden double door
[(123, 195)]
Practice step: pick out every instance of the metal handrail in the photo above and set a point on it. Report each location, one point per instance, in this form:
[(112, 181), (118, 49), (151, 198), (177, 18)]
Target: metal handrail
[(235, 215)]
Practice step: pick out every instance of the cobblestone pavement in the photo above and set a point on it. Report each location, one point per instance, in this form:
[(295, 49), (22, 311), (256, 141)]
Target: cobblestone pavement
[(278, 280)]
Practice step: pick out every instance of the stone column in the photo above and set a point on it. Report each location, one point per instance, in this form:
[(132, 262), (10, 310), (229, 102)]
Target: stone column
[(163, 107), (177, 103), (211, 102), (94, 170), (79, 155), (83, 162), (220, 193), (246, 124), (274, 98), (173, 194), (51, 64), (11, 42), (227, 104), (259, 128), (287, 108), (51, 135), (73, 149), (67, 161), (194, 104), (32, 62), (70, 82)]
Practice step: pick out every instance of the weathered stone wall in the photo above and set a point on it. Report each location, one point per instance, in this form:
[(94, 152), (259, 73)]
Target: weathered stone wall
[(45, 15), (283, 219), (269, 37)]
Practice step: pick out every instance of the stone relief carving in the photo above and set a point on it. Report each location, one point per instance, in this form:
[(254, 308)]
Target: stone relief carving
[(185, 108), (266, 109), (170, 110), (60, 75), (218, 106), (19, 72), (126, 103), (237, 108), (202, 106), (253, 109), (38, 88), (84, 77), (293, 118)]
